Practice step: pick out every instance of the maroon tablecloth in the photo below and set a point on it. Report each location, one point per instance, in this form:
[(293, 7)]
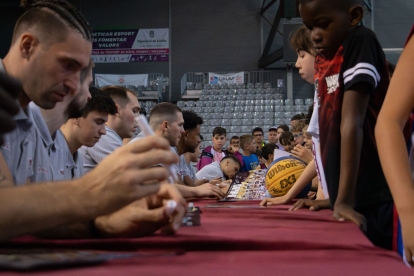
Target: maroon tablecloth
[(240, 242)]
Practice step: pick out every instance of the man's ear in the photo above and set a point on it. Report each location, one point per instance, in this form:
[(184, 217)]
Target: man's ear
[(356, 14), (27, 44), (118, 108), (164, 125), (75, 121), (185, 135)]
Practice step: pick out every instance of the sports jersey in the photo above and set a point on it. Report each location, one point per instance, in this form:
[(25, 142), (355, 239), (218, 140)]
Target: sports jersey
[(359, 59), (249, 163)]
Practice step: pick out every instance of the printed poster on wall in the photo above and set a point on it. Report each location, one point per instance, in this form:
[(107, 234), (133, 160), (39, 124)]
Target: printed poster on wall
[(122, 80), (132, 45), (226, 78)]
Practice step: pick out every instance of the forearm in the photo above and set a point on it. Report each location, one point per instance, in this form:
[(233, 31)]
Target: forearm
[(307, 175), (351, 145), (185, 191), (33, 208), (394, 160), (188, 181), (319, 194)]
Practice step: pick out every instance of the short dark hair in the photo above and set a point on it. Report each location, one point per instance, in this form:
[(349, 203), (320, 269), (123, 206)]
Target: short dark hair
[(163, 112), (219, 131), (273, 129), (51, 17), (301, 41), (99, 102), (286, 137), (268, 149), (298, 117), (234, 137), (232, 157), (284, 127), (191, 120), (118, 93), (391, 68), (256, 129), (245, 140)]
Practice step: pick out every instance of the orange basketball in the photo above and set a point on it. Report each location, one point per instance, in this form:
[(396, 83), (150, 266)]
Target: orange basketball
[(282, 174)]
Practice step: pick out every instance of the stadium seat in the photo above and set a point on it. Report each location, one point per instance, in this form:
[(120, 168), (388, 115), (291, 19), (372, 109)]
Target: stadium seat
[(288, 102), (234, 128), (180, 104), (226, 122), (246, 129), (218, 109), (219, 103), (207, 86), (208, 109), (230, 102), (270, 115), (249, 108), (258, 122), (280, 115), (215, 86), (269, 108), (241, 85), (258, 85), (259, 102), (279, 108), (308, 101), (210, 129), (198, 109), (259, 108), (232, 85), (236, 122), (249, 102), (280, 121), (190, 103), (240, 103), (258, 115), (250, 85), (249, 97), (289, 108), (198, 86), (279, 102), (259, 97), (246, 122), (248, 115), (268, 121), (299, 108), (209, 104), (200, 103), (227, 115), (267, 85), (240, 97), (269, 102), (299, 102), (239, 109), (289, 115), (287, 121), (215, 122), (229, 109)]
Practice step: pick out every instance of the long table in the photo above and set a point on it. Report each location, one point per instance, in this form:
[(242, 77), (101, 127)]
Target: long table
[(240, 241)]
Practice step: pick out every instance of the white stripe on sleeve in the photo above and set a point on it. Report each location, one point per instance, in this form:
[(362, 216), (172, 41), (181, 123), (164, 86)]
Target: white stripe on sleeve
[(359, 72), (365, 65)]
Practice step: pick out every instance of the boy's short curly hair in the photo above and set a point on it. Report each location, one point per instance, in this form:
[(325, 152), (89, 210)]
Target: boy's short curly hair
[(219, 131), (299, 126), (286, 137)]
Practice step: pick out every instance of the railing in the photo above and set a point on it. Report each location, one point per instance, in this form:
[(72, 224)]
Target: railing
[(277, 79)]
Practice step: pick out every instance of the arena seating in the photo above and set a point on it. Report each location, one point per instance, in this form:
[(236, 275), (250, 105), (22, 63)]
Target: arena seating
[(243, 107)]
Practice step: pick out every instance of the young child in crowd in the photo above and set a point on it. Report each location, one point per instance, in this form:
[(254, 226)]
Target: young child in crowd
[(280, 129), (272, 136), (250, 160), (297, 131), (226, 169), (391, 137), (267, 152), (300, 151), (215, 153), (352, 80), (287, 141)]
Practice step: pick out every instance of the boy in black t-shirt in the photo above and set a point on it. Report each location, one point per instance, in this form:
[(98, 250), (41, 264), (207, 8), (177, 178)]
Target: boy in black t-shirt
[(351, 82)]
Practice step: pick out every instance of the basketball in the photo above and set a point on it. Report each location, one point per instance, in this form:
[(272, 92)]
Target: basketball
[(282, 174)]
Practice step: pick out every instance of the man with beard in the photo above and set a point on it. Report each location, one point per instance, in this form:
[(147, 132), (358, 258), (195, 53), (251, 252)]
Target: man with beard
[(49, 163)]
